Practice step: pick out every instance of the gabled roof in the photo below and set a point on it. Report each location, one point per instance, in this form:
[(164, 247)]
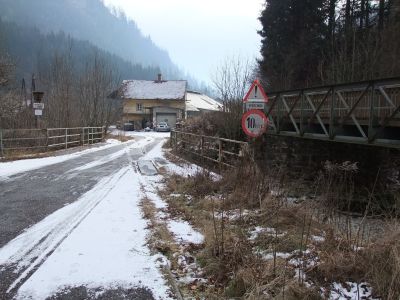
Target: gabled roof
[(196, 101), (157, 90)]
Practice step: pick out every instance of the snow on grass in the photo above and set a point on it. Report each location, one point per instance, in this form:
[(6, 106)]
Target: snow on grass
[(184, 232), (264, 230), (99, 242), (8, 169), (350, 290)]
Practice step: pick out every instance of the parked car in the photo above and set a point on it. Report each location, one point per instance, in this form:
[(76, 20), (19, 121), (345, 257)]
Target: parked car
[(129, 127), (163, 126)]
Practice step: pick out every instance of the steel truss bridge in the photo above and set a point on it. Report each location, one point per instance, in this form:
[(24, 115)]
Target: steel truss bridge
[(362, 112)]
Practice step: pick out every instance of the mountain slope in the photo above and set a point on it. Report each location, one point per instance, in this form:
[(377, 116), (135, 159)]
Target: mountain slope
[(89, 20)]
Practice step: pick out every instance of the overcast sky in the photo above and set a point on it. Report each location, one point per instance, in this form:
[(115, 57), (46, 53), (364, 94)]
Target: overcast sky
[(198, 34)]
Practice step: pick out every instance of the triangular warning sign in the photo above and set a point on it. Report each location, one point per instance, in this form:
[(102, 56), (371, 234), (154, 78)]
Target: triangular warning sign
[(256, 93)]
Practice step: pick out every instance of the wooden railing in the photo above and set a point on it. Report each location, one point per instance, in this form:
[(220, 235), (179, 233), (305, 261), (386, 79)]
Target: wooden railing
[(223, 152), (49, 138)]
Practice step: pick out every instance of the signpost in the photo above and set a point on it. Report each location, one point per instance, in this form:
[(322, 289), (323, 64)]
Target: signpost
[(254, 121), (37, 105)]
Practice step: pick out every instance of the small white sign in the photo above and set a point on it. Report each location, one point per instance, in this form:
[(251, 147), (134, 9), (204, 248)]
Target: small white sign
[(255, 105), (37, 105), (38, 112)]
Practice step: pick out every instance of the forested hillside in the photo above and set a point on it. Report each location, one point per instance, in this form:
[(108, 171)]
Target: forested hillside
[(89, 20), (33, 51), (315, 42), (75, 75)]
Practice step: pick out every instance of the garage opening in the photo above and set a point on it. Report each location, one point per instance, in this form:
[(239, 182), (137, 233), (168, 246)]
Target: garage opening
[(169, 118)]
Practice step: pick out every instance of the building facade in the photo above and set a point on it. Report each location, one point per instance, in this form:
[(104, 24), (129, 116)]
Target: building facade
[(148, 102)]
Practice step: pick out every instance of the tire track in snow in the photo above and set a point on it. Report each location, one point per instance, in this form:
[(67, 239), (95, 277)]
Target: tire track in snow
[(29, 252)]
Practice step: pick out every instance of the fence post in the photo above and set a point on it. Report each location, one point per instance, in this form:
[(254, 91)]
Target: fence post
[(1, 144), (202, 146), (47, 139), (103, 133), (176, 141), (66, 138), (83, 136), (220, 152)]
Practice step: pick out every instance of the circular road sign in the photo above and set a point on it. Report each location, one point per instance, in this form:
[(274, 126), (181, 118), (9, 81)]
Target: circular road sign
[(254, 123)]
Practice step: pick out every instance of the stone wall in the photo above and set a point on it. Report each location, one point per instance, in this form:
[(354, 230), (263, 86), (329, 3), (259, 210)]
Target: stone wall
[(305, 158)]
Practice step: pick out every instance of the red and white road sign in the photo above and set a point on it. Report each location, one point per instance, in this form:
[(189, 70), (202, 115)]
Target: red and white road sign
[(256, 93), (254, 123)]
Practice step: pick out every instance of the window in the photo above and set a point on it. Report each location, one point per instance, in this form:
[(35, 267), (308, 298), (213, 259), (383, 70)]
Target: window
[(139, 107)]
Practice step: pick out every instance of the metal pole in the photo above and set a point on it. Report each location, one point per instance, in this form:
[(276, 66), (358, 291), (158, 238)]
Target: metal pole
[(302, 113), (332, 115), (371, 114)]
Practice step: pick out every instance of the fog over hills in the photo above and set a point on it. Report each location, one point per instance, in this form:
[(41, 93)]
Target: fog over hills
[(90, 20)]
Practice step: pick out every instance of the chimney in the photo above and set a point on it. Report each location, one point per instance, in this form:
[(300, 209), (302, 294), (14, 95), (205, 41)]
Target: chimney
[(159, 77)]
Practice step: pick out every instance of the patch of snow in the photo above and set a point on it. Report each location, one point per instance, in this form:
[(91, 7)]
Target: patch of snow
[(268, 255), (146, 134), (153, 90), (267, 230), (318, 238), (350, 290), (184, 232), (98, 241)]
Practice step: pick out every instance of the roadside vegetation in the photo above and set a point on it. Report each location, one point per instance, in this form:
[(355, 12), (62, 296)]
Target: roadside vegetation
[(263, 239)]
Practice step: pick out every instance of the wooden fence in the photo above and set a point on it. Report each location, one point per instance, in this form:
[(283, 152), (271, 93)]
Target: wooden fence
[(223, 152), (49, 138)]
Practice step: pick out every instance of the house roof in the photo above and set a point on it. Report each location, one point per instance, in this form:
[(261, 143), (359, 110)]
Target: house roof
[(156, 90), (196, 101)]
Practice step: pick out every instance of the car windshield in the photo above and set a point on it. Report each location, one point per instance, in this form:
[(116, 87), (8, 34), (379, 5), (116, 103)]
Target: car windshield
[(162, 124)]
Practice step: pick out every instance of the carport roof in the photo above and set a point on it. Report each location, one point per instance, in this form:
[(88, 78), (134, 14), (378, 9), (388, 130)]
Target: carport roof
[(154, 90)]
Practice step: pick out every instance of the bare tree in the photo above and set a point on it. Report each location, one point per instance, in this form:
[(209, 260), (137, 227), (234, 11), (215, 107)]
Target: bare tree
[(231, 79), (96, 84), (10, 106)]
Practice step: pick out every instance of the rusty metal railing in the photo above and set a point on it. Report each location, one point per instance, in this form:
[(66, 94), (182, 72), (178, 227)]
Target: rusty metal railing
[(363, 112)]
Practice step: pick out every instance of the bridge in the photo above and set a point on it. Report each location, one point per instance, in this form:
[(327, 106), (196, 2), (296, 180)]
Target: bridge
[(362, 113)]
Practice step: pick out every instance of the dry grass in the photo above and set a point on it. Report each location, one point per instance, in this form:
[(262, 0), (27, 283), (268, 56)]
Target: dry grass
[(161, 240), (229, 259), (383, 263)]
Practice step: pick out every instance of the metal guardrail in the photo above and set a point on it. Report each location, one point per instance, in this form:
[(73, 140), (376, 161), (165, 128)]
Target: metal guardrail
[(49, 138), (224, 152), (364, 112)]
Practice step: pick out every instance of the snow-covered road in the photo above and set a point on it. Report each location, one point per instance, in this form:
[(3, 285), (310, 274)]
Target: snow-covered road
[(94, 242)]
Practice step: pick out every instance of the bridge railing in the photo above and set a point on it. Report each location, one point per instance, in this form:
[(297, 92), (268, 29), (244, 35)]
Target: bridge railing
[(223, 152), (363, 112), (49, 138)]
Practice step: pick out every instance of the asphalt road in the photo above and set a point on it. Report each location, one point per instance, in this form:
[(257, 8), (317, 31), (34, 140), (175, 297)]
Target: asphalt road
[(27, 198)]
